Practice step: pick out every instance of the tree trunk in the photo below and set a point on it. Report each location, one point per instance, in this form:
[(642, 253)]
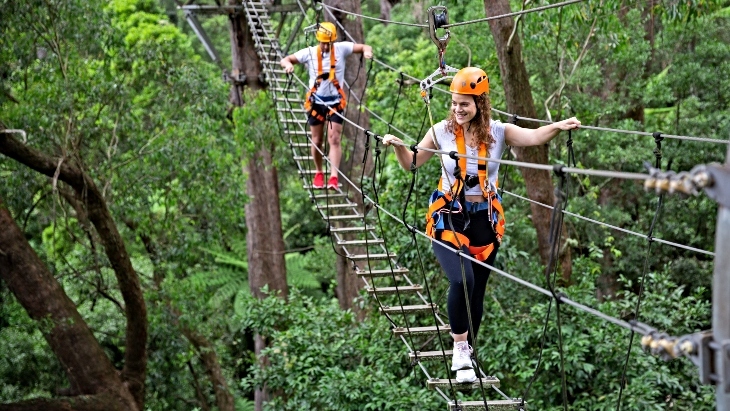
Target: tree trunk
[(385, 7), (348, 284), (88, 194), (518, 95), (264, 238), (90, 372)]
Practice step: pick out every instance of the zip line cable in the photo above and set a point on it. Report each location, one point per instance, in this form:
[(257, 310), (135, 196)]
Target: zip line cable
[(445, 26), (328, 7), (612, 130)]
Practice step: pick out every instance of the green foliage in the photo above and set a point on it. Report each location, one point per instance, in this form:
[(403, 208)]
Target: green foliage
[(127, 92), (323, 358), (255, 123)]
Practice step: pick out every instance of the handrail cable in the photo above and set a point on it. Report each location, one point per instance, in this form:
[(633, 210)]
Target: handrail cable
[(599, 173), (613, 227), (635, 327)]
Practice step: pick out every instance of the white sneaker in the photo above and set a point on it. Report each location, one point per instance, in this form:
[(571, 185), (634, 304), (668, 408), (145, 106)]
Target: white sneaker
[(463, 376), (462, 356)]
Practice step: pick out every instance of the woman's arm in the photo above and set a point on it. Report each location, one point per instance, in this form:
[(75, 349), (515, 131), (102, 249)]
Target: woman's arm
[(405, 155), (516, 136)]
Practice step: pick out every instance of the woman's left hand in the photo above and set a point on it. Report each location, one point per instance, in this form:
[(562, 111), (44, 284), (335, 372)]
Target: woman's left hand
[(569, 124)]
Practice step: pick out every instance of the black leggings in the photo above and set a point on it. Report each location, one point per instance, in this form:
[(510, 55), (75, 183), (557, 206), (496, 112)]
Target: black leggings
[(479, 232)]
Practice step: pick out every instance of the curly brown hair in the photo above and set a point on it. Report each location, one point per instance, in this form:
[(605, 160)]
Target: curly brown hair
[(480, 122)]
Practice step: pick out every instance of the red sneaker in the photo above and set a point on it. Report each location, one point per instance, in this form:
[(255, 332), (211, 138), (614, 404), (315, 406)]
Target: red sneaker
[(332, 184), (318, 180)]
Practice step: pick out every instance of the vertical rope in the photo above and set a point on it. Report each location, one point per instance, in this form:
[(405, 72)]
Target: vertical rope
[(650, 240)]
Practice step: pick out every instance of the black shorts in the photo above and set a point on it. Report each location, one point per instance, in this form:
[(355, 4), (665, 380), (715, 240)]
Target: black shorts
[(323, 111)]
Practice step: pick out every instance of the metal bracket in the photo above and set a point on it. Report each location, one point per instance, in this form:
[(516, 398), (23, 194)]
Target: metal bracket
[(235, 77), (719, 190), (712, 358), (198, 29), (311, 29), (438, 17), (437, 76)]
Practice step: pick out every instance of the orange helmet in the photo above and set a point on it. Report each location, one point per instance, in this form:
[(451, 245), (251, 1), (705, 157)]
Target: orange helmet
[(326, 32), (470, 80)]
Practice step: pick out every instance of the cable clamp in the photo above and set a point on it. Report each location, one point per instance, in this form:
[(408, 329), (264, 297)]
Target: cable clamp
[(558, 170), (453, 155), (513, 119)]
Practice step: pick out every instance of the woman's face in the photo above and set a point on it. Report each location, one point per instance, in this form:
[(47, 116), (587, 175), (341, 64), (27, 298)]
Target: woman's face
[(463, 107)]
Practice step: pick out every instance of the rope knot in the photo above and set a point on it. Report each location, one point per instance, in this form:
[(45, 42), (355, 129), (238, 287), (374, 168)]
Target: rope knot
[(657, 137)]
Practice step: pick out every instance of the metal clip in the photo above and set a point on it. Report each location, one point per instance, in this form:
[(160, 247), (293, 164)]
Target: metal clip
[(437, 76)]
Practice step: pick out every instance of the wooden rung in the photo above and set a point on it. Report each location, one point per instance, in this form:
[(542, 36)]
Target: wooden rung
[(381, 273), (407, 309), (487, 382), (421, 330), (303, 158), (329, 195), (332, 206), (498, 405), (351, 229), (300, 145), (307, 172), (342, 217), (360, 257), (309, 186), (368, 242), (394, 290), (430, 355)]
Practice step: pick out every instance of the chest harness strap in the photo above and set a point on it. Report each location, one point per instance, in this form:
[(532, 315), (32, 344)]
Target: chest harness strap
[(321, 76), (448, 201)]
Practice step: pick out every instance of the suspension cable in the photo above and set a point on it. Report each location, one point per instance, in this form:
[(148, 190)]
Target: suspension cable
[(373, 18), (517, 13)]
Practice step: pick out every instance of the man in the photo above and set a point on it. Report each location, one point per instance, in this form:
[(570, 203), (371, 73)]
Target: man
[(325, 97)]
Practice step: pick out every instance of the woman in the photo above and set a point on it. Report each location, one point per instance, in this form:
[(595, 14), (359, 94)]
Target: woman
[(465, 212)]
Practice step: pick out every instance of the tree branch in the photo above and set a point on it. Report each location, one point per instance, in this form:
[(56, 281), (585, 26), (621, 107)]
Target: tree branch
[(87, 193), (100, 402)]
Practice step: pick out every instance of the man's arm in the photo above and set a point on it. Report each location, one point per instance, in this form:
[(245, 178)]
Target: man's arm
[(366, 50), (288, 62)]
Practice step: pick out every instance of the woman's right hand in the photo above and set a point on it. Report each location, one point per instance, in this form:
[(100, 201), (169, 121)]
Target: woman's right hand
[(389, 139)]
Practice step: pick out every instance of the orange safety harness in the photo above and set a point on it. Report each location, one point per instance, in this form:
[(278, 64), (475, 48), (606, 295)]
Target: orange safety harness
[(309, 101), (444, 202)]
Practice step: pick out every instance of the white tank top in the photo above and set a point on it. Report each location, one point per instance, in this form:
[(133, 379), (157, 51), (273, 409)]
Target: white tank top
[(447, 142)]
